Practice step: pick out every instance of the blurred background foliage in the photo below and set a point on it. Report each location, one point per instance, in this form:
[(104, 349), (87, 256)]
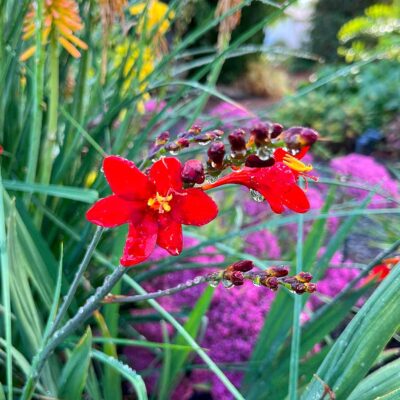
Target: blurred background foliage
[(150, 67)]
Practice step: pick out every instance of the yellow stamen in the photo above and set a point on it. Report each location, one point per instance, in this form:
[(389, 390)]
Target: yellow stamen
[(296, 164), (160, 203)]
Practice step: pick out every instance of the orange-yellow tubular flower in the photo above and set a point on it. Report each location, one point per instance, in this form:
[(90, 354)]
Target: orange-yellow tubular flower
[(61, 16)]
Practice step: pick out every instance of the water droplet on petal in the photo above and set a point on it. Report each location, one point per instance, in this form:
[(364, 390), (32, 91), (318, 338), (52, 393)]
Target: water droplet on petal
[(256, 196)]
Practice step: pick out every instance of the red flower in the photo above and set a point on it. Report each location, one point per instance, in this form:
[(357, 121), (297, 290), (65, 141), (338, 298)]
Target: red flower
[(278, 183), (154, 205), (381, 271)]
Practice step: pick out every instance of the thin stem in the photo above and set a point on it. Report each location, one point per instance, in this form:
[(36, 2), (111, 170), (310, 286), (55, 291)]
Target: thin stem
[(92, 304), (51, 137), (297, 305), (161, 293), (75, 283), (37, 112)]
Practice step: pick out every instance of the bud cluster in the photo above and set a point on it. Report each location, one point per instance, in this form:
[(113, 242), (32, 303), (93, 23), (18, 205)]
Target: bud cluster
[(253, 148), (272, 277)]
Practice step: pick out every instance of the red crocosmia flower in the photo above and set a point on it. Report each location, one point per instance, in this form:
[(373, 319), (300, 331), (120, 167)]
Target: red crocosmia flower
[(155, 206), (381, 271), (277, 184)]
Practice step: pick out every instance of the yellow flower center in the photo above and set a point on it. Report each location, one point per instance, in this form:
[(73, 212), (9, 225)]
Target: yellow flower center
[(296, 164), (160, 203)]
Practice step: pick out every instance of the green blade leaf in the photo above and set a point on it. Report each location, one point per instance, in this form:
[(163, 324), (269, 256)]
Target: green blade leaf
[(128, 373), (65, 192), (357, 348), (192, 326), (74, 374), (383, 382)]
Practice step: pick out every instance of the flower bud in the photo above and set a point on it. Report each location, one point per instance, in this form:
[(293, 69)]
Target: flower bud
[(270, 282), (253, 161), (162, 138), (279, 272), (237, 140), (276, 130), (299, 288), (205, 137), (260, 134), (242, 266), (298, 136), (236, 277), (216, 153), (310, 287), (195, 129), (304, 277), (193, 172)]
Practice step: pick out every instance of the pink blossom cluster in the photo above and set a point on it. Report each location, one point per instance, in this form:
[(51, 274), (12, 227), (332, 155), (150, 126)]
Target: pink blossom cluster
[(367, 172)]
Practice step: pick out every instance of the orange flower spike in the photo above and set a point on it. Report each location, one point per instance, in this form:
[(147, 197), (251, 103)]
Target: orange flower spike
[(61, 16)]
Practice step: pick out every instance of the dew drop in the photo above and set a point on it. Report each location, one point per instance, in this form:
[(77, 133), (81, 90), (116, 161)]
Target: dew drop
[(227, 284), (173, 152), (213, 283), (256, 196), (204, 143), (211, 179)]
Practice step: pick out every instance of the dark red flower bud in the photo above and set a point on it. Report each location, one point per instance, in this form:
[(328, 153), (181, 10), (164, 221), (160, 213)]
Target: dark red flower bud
[(309, 136), (242, 266), (193, 172), (182, 142), (172, 147), (162, 138), (237, 140), (299, 288), (195, 129), (276, 130), (304, 277), (216, 153), (270, 282), (253, 161), (205, 137), (218, 132), (310, 287), (299, 136), (237, 278), (261, 134), (279, 272)]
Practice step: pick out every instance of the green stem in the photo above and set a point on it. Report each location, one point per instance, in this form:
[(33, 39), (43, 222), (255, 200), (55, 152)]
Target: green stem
[(84, 313), (5, 288), (75, 283), (37, 84), (297, 306), (51, 138)]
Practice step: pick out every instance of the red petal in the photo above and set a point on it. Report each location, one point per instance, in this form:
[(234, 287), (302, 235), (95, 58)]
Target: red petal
[(169, 234), (125, 179), (295, 199), (274, 201), (193, 207), (140, 242), (166, 174), (113, 211)]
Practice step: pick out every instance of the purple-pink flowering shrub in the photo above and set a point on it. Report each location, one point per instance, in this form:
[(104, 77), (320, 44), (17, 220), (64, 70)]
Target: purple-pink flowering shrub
[(234, 319), (366, 171), (335, 279)]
